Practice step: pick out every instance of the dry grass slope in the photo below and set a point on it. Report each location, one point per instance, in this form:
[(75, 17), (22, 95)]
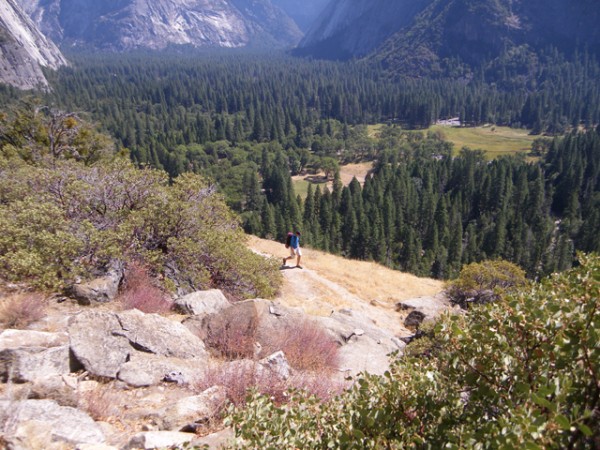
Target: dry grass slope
[(331, 282)]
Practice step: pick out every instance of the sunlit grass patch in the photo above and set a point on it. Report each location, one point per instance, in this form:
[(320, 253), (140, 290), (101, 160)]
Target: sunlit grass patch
[(494, 140)]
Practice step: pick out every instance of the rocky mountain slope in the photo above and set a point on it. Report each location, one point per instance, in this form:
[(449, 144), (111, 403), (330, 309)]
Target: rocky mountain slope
[(426, 36), (156, 24), (304, 13), (349, 28), (472, 33), (24, 49)]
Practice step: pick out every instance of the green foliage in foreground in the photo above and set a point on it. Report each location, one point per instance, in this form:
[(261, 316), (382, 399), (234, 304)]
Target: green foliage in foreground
[(522, 372), (69, 208)]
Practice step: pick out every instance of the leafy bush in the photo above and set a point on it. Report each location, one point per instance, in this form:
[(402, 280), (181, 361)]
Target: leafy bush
[(21, 310), (69, 220), (484, 282), (521, 372)]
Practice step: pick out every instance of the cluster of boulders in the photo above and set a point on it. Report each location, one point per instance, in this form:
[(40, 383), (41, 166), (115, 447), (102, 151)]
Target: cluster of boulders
[(61, 388)]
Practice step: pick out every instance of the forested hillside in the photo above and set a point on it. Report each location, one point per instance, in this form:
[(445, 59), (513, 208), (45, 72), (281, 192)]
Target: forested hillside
[(161, 106), (454, 36), (249, 123), (426, 212)]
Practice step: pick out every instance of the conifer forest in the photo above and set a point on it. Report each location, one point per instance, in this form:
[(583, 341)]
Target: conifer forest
[(250, 123)]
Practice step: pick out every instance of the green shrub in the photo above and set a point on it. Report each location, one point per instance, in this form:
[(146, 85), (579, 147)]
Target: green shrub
[(484, 282), (521, 372), (71, 220)]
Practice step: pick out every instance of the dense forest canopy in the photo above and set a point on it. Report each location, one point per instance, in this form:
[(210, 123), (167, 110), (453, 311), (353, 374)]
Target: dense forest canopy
[(248, 122), (154, 103)]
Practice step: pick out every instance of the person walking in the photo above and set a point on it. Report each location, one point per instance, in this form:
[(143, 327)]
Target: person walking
[(293, 242)]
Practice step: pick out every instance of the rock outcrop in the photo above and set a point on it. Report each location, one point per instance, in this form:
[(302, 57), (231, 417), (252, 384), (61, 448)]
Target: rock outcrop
[(202, 302), (422, 309), (28, 355), (103, 289), (350, 28), (132, 346), (363, 346), (155, 374), (45, 419), (24, 49), (157, 24)]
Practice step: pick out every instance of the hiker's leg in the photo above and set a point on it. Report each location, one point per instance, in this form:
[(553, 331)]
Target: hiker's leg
[(292, 254)]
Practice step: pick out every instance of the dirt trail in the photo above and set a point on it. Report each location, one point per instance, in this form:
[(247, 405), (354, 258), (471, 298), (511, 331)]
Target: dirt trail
[(328, 283)]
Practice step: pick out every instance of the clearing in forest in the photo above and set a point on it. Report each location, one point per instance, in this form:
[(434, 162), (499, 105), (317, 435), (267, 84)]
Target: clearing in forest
[(494, 140), (347, 172)]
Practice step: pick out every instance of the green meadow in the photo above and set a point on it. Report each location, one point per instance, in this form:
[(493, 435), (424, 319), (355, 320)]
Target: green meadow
[(495, 141)]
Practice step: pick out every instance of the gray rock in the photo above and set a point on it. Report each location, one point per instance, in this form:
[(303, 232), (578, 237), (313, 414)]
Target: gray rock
[(29, 338), (363, 356), (134, 347), (238, 321), (430, 307), (24, 49), (155, 334), (220, 439), (187, 413), (414, 319), (202, 302), (95, 447), (158, 439), (100, 290), (196, 325), (26, 355), (30, 435), (398, 342), (60, 388), (25, 364), (97, 344), (364, 347), (145, 369), (62, 424), (277, 363)]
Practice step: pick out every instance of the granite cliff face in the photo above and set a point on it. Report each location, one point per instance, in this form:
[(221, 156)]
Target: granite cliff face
[(23, 49), (303, 12), (156, 24), (417, 37), (351, 28)]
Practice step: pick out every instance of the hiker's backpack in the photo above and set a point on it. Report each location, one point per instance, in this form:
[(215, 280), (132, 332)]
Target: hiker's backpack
[(288, 240)]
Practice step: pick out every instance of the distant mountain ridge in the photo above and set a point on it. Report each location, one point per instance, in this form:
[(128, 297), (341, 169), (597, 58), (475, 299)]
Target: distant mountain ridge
[(474, 32), (353, 28), (303, 12), (424, 37), (23, 49), (156, 24)]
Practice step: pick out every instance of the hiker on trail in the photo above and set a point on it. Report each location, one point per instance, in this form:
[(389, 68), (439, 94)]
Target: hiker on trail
[(293, 243)]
